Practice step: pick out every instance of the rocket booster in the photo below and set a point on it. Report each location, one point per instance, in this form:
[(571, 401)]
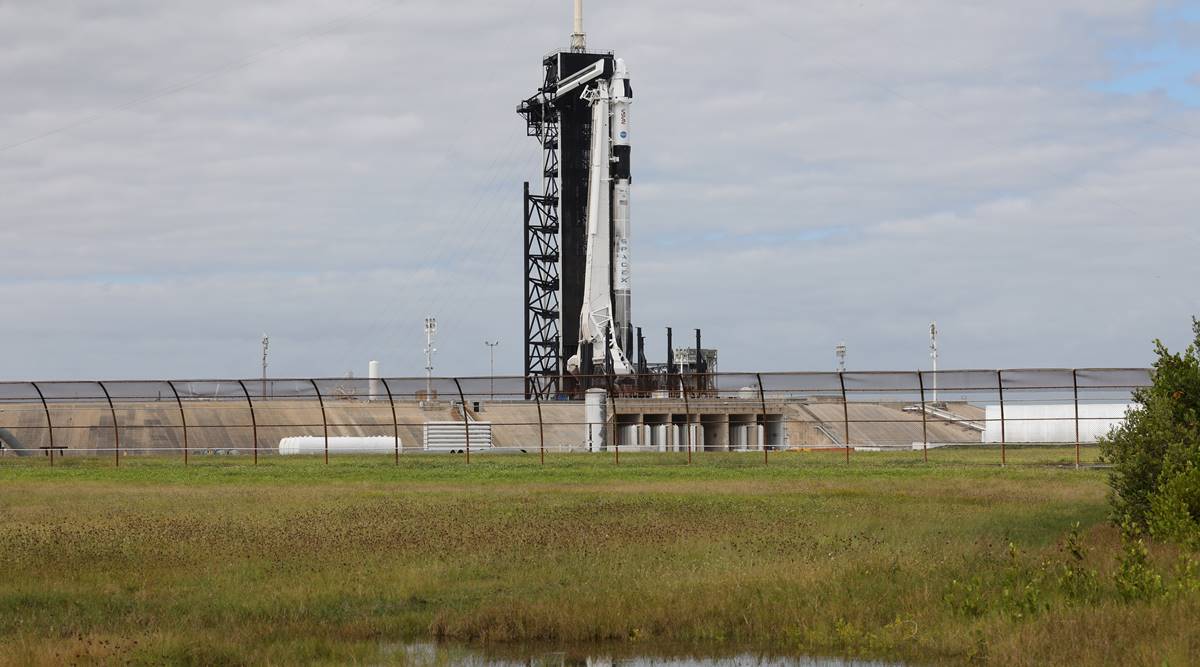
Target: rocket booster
[(620, 98)]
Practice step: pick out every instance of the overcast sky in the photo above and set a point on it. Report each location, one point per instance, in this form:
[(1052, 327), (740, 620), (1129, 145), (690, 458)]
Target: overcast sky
[(177, 178)]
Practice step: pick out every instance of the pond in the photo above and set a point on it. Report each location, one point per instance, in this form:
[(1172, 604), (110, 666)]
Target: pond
[(428, 654)]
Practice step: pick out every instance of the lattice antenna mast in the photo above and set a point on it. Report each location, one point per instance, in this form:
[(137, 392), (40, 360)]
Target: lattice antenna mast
[(430, 332), (933, 354), (578, 38), (841, 357), (266, 343)]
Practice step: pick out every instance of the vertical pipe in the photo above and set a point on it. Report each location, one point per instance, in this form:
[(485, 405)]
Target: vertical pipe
[(1003, 436), (324, 419), (116, 430), (845, 414), (1075, 387), (395, 422), (182, 419), (541, 428), (49, 422), (253, 419), (466, 419), (762, 399), (924, 417), (687, 414)]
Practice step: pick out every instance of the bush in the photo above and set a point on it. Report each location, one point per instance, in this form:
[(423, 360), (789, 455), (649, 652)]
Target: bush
[(1156, 453)]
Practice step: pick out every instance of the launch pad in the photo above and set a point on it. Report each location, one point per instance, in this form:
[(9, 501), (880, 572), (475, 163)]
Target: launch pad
[(578, 316)]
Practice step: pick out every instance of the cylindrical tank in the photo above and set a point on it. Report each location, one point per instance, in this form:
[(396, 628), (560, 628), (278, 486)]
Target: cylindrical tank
[(374, 386), (595, 411), (316, 445)]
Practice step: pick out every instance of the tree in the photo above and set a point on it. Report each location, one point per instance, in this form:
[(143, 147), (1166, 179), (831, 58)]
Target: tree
[(1155, 479)]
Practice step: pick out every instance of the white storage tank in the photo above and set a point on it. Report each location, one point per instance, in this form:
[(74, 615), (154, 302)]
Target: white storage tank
[(342, 445)]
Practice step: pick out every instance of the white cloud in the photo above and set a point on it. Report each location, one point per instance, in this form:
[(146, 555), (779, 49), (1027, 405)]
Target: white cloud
[(333, 171)]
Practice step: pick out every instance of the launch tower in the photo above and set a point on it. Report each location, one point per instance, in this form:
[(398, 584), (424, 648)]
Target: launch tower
[(577, 262)]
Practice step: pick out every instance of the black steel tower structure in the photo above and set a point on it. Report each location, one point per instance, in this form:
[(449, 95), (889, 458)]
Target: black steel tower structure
[(556, 219)]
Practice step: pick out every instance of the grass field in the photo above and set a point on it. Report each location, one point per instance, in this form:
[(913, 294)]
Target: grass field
[(293, 561)]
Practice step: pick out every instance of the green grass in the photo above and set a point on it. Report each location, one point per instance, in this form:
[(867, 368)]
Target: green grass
[(292, 561)]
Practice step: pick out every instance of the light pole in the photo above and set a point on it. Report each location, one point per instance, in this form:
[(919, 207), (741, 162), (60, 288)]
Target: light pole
[(430, 332), (266, 343), (492, 378)]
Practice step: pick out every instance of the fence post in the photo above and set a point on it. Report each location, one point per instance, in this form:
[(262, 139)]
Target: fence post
[(395, 423), (253, 419), (49, 422), (924, 417), (324, 419), (537, 398), (762, 399), (182, 419), (845, 413), (687, 415), (466, 419), (1075, 387), (116, 430), (1003, 436)]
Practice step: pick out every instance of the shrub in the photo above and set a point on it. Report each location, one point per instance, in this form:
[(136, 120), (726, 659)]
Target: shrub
[(1156, 453)]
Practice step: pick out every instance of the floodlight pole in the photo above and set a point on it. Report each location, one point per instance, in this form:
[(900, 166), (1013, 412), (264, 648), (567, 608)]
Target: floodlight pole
[(492, 378)]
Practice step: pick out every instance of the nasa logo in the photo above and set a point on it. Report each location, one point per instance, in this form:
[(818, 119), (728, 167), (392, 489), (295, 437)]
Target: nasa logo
[(624, 135)]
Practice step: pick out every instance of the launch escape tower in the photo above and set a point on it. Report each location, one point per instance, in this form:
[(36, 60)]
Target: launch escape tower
[(556, 220)]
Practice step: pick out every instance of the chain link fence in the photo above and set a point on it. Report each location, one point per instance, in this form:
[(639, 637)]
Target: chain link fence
[(1009, 416)]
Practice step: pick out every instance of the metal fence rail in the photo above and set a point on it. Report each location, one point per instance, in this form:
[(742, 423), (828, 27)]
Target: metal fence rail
[(914, 412)]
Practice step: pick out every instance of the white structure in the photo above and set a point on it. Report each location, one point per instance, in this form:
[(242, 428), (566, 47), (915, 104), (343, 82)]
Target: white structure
[(374, 384), (578, 38), (595, 411), (1052, 422), (452, 436), (430, 332), (300, 445)]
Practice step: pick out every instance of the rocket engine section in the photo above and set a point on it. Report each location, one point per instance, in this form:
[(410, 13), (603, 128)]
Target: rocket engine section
[(605, 324)]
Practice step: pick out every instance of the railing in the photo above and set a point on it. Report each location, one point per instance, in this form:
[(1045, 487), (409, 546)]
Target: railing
[(911, 412)]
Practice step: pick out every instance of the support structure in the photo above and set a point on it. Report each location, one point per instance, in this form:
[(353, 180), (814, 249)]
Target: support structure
[(116, 429), (1075, 388), (395, 422), (49, 422), (466, 419), (687, 411), (924, 418), (253, 419), (845, 413), (182, 419), (1003, 435), (762, 399), (324, 418), (543, 309)]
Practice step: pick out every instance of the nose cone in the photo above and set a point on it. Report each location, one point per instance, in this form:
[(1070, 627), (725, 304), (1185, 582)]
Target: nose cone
[(621, 72)]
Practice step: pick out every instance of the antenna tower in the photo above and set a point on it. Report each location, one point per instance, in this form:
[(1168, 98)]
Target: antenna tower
[(266, 343), (430, 331), (933, 354)]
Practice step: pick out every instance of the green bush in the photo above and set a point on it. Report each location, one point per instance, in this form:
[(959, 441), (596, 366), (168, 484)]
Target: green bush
[(1156, 453)]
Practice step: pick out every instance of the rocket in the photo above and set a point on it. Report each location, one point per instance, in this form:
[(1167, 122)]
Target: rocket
[(606, 317), (621, 97)]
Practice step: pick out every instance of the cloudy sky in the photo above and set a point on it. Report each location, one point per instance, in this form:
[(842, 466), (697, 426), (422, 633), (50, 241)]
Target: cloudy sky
[(177, 178)]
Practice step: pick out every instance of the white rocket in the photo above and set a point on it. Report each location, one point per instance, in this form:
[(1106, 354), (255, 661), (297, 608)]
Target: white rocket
[(607, 278), (606, 315)]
